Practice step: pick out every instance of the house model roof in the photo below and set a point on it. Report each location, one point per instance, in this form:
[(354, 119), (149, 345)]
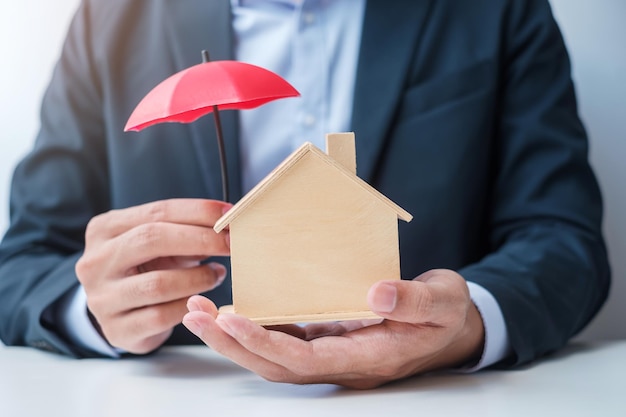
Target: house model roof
[(282, 169)]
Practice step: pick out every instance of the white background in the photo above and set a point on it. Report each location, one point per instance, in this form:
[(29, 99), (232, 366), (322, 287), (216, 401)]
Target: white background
[(31, 32)]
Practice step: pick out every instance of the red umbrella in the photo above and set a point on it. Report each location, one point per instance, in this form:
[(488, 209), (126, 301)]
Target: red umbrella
[(209, 87)]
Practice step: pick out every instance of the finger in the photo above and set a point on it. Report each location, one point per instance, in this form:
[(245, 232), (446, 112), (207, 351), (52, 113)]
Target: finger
[(159, 287), (428, 299), (201, 322), (153, 288), (202, 304), (199, 212), (171, 262), (145, 329), (298, 356), (155, 240)]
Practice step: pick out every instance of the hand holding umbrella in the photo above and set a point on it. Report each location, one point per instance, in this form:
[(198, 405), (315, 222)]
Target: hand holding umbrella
[(209, 87)]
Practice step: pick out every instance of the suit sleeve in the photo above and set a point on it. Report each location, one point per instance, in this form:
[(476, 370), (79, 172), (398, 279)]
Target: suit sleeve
[(55, 191), (548, 268)]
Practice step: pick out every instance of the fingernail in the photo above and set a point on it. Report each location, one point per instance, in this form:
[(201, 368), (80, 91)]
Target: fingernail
[(192, 305), (220, 271), (385, 298), (191, 325), (227, 239)]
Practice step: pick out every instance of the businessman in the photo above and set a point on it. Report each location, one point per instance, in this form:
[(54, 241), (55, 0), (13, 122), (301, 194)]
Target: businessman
[(465, 116)]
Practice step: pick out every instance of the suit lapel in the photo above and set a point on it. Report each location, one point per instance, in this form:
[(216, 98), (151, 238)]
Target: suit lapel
[(390, 34), (197, 25)]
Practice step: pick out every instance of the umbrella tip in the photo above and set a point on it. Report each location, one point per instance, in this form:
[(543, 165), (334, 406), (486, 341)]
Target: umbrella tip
[(205, 56)]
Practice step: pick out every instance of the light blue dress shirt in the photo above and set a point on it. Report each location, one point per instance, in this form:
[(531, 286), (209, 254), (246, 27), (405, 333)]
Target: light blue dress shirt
[(313, 44)]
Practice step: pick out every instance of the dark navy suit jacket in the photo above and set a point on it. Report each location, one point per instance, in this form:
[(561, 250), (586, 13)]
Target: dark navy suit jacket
[(464, 114)]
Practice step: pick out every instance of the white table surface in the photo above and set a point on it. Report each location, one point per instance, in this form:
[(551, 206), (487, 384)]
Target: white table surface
[(581, 380)]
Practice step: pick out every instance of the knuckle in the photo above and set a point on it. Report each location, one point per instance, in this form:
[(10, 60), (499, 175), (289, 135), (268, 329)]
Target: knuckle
[(153, 287), (84, 268), (147, 235), (157, 211), (94, 225), (423, 303)]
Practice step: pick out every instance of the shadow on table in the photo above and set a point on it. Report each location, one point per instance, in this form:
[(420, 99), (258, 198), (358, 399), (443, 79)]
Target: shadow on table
[(200, 364), (190, 364), (571, 349), (423, 384), (435, 382)]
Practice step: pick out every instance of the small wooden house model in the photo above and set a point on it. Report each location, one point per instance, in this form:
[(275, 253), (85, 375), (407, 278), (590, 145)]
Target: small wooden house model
[(311, 238)]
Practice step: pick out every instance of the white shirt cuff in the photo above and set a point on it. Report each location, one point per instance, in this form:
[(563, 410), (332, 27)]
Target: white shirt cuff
[(73, 317), (497, 345)]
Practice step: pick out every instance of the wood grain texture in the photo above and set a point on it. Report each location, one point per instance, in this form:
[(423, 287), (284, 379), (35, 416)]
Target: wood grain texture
[(342, 148), (309, 241), (306, 318)]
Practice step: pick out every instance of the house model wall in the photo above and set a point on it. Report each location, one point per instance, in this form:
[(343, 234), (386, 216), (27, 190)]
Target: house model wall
[(309, 241)]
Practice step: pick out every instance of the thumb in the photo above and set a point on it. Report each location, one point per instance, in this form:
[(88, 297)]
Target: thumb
[(433, 297), (199, 303), (404, 301)]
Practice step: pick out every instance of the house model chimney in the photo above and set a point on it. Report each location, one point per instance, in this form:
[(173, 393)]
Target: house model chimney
[(342, 148)]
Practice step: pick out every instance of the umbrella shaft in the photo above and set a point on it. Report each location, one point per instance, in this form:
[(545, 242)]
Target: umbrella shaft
[(222, 152)]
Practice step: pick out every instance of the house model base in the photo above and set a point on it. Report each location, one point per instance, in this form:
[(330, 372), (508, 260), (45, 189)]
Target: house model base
[(309, 240), (306, 318)]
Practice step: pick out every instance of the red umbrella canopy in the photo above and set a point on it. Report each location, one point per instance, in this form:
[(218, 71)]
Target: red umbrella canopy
[(193, 92)]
